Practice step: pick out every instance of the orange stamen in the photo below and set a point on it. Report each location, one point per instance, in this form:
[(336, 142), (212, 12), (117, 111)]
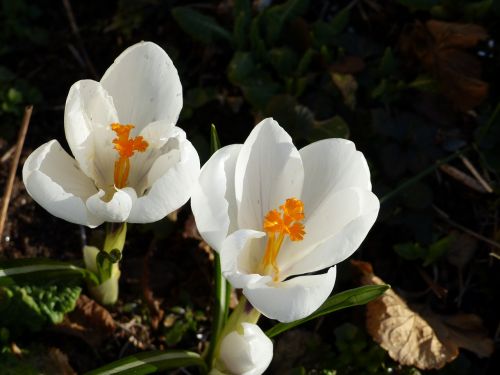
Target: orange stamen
[(126, 148), (278, 225)]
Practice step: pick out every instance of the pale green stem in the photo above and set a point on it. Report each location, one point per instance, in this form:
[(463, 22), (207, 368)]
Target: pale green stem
[(105, 263)]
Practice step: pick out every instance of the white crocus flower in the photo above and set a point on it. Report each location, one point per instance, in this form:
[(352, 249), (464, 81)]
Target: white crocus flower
[(276, 214), (248, 352), (116, 176)]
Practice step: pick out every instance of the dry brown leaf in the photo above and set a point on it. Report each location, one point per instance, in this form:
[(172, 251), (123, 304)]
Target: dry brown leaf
[(440, 47), (420, 338), (458, 35), (90, 321)]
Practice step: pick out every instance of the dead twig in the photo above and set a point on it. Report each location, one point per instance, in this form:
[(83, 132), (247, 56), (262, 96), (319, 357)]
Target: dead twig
[(79, 40), (480, 237), (462, 177), (476, 174), (13, 167)]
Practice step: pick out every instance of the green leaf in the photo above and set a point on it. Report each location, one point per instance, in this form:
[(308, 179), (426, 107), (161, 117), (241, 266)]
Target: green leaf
[(214, 139), (410, 251), (348, 298), (31, 307), (259, 48), (305, 62), (438, 249), (334, 127), (222, 287), (284, 60), (242, 18), (276, 16), (200, 26), (240, 67), (37, 270), (388, 63), (340, 21), (150, 362)]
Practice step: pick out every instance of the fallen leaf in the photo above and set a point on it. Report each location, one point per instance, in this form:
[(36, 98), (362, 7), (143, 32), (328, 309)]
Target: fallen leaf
[(89, 321), (417, 336), (440, 47)]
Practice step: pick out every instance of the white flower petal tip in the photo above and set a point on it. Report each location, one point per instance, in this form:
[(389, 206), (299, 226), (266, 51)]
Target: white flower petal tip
[(247, 351), (145, 85), (293, 213), (132, 162), (293, 299), (53, 179)]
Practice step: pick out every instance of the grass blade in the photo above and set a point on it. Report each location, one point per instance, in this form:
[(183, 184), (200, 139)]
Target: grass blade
[(348, 298)]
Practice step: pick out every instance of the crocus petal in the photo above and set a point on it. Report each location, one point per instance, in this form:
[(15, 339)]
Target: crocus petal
[(172, 186), (293, 299), (336, 211), (88, 108), (249, 353), (240, 254), (54, 181), (213, 201), (331, 165), (115, 210), (162, 137), (145, 85), (268, 171), (339, 246)]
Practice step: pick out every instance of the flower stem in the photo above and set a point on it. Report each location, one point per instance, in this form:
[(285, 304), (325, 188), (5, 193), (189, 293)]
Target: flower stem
[(244, 313), (104, 263)]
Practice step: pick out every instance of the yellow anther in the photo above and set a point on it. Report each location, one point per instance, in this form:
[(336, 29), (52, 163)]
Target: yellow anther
[(278, 225), (126, 148)]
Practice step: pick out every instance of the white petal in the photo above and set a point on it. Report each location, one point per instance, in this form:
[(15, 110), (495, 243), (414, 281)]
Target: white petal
[(353, 207), (88, 107), (240, 255), (172, 186), (145, 85), (162, 137), (331, 165), (268, 171), (293, 299), (339, 247), (54, 181), (115, 210), (213, 201), (249, 353)]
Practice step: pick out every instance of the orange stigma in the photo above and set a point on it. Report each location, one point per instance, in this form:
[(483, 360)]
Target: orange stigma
[(126, 147), (277, 225)]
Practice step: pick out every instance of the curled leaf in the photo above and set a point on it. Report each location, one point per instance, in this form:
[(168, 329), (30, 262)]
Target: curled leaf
[(416, 336)]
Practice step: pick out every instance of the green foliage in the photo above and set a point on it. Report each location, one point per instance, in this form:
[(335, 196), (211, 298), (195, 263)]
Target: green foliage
[(342, 300), (151, 362), (32, 307), (182, 321), (429, 255), (200, 26)]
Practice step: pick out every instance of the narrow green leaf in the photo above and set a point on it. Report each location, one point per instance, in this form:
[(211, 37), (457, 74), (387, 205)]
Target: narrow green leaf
[(348, 298), (200, 26), (214, 139), (278, 15), (222, 287), (341, 20), (150, 362), (34, 270)]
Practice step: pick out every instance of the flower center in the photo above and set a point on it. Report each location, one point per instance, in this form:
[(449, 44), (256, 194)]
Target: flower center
[(126, 147), (277, 225)]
